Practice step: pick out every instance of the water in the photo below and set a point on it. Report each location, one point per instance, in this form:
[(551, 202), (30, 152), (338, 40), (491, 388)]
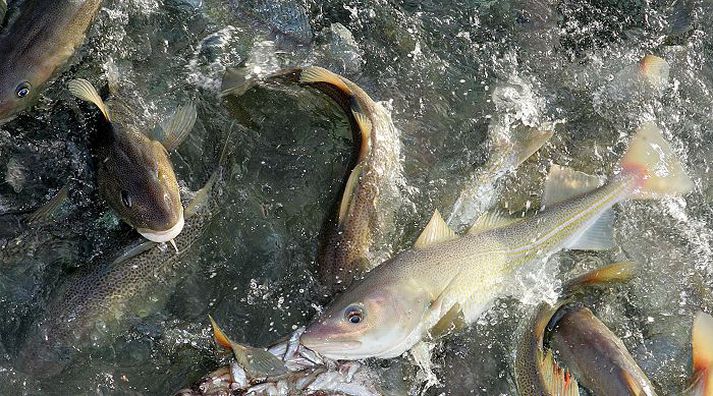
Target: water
[(436, 66)]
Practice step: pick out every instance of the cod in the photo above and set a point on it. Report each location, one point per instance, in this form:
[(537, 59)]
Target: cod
[(39, 37), (446, 277)]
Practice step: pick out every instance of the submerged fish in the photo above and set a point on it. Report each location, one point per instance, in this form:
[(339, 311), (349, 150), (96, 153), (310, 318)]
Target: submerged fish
[(395, 305), (38, 38), (370, 190), (536, 372), (597, 357), (134, 172), (702, 343), (100, 298)]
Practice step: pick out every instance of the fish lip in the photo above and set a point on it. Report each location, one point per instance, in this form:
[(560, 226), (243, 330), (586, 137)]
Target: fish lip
[(163, 236), (321, 346)]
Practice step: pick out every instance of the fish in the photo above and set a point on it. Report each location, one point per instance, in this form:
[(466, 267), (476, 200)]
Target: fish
[(369, 194), (38, 38), (702, 345), (134, 172), (596, 356), (536, 371), (393, 307), (95, 304)]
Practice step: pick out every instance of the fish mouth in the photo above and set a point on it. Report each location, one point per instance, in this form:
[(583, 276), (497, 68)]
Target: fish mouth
[(334, 349), (163, 236)]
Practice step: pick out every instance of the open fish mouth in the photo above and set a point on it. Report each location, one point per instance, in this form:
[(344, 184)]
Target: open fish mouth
[(163, 236)]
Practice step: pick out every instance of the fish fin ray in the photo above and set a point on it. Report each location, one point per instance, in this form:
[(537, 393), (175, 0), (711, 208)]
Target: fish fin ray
[(492, 219), (599, 236), (617, 272), (48, 209), (316, 74), (565, 183), (237, 81), (527, 142), (220, 337), (452, 320), (134, 251), (654, 164), (557, 380), (259, 362), (436, 231), (84, 90), (349, 189), (365, 126), (173, 131)]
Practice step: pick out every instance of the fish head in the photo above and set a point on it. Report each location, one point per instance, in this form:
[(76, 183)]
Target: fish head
[(138, 181), (365, 322), (18, 89)]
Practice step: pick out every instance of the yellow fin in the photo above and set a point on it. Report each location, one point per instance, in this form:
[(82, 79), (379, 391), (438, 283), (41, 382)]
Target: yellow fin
[(558, 382), (632, 385), (656, 167), (173, 131), (655, 71), (436, 231), (316, 74), (220, 336), (617, 272), (492, 219), (702, 343), (349, 189), (84, 90), (565, 183)]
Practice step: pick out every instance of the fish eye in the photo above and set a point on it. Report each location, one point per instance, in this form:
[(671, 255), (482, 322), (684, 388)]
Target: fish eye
[(126, 198), (354, 314), (23, 89)]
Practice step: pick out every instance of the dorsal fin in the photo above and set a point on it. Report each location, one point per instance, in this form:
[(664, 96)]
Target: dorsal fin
[(557, 381), (348, 196), (84, 90), (564, 183), (492, 219), (436, 231)]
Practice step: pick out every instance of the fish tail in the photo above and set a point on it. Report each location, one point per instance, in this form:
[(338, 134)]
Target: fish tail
[(702, 342), (654, 166)]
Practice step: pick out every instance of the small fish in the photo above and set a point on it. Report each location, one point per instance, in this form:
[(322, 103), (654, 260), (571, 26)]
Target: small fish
[(94, 304), (39, 37), (369, 190), (596, 356), (134, 172), (536, 372), (702, 343), (395, 305)]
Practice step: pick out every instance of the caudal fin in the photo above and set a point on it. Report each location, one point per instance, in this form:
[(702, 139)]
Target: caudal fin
[(702, 340), (654, 165)]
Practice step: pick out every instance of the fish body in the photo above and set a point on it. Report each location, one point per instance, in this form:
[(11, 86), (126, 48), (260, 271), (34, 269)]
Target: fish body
[(38, 39), (395, 305), (134, 172), (597, 357), (96, 302)]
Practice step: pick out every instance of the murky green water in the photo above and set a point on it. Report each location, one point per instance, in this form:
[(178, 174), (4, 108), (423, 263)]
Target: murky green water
[(437, 64)]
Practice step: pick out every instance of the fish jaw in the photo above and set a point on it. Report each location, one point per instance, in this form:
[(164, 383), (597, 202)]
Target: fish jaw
[(163, 236)]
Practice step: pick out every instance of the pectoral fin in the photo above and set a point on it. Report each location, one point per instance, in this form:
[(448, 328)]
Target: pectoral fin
[(557, 381), (173, 131), (349, 189), (134, 251), (50, 207), (84, 90), (452, 320), (436, 231)]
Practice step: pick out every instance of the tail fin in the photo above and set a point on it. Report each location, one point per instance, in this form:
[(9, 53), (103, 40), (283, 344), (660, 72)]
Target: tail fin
[(654, 165), (702, 340)]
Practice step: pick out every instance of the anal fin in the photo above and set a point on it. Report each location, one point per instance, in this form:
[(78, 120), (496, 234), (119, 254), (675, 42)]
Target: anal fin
[(599, 236)]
